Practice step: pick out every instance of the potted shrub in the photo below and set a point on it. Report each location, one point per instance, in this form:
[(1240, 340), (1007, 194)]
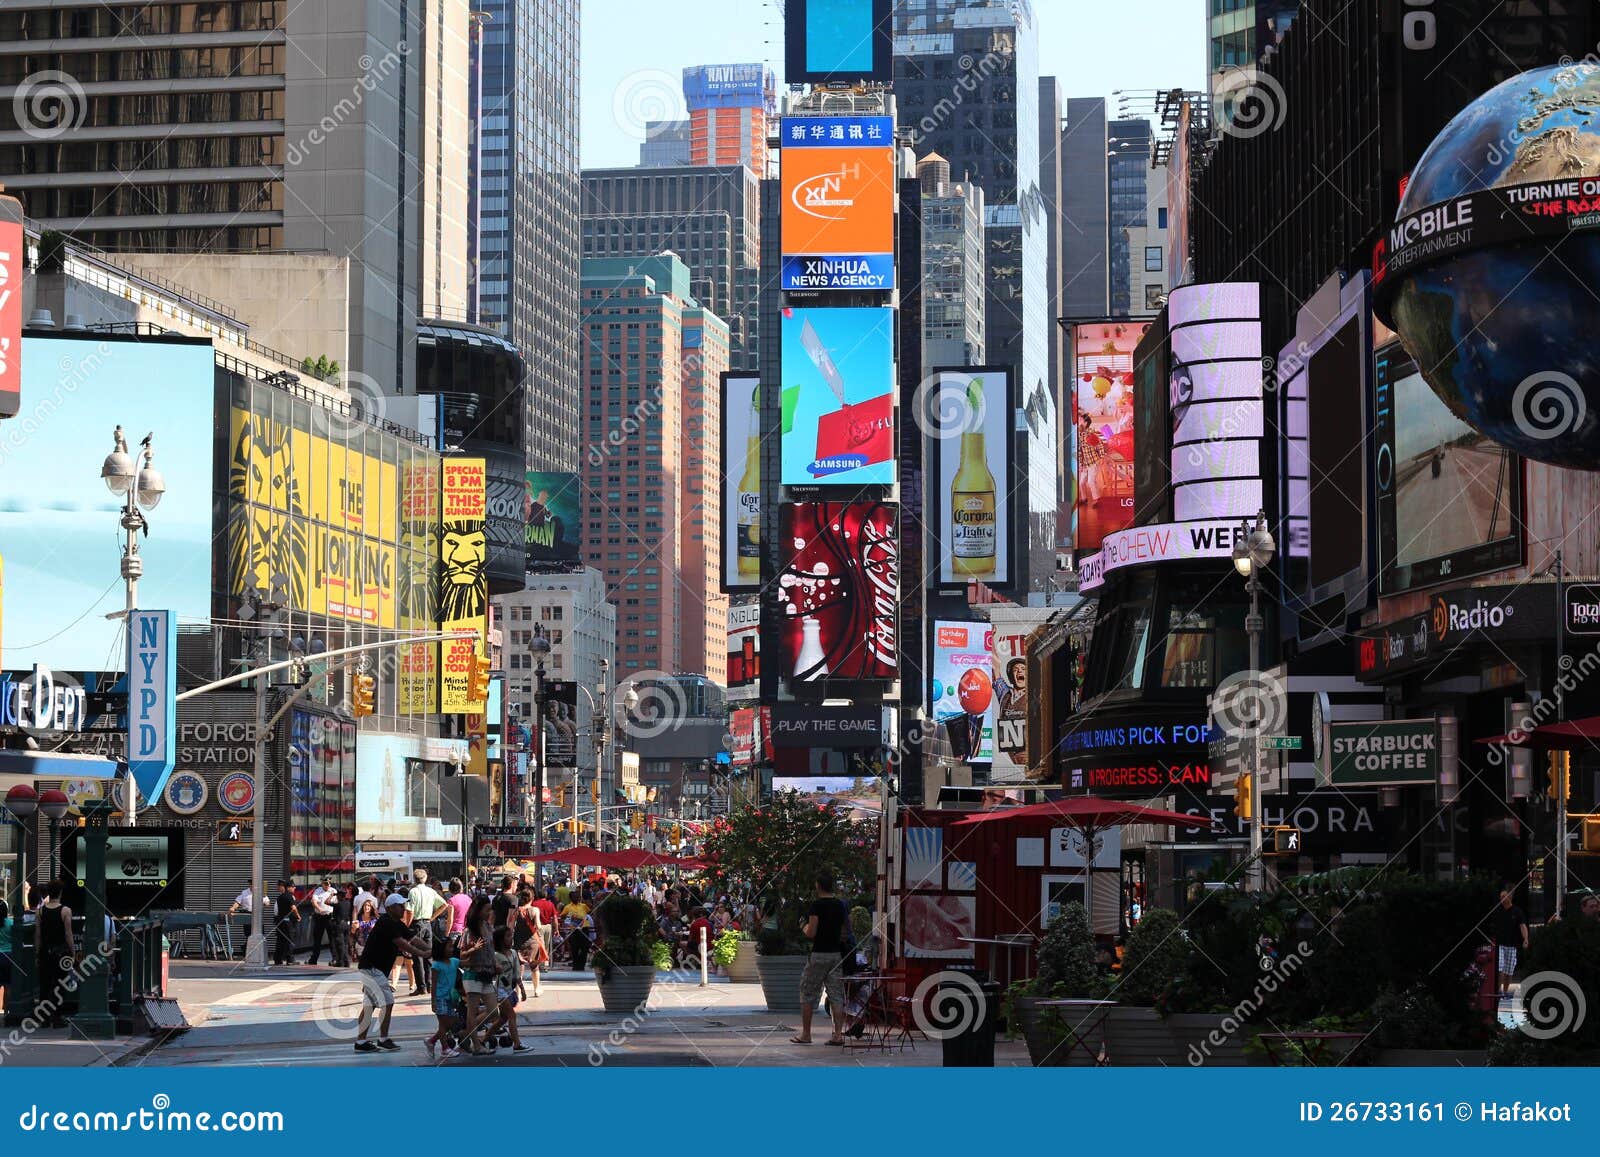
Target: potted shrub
[(735, 954), (776, 852), (628, 954), (1066, 971), (1155, 957)]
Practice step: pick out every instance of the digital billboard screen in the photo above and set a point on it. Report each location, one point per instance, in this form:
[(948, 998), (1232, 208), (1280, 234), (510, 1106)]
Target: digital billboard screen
[(1336, 433), (59, 531), (962, 694), (969, 418), (553, 512), (838, 41), (744, 643), (839, 590), (741, 482), (1449, 500), (839, 198), (838, 397), (1103, 391)]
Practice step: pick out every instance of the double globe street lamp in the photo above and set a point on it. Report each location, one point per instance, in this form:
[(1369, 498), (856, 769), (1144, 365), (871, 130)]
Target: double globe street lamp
[(1252, 552)]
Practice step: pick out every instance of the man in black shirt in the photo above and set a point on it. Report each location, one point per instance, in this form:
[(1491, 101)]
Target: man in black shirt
[(285, 915), (504, 905), (824, 927), (342, 912), (1510, 934), (385, 943)]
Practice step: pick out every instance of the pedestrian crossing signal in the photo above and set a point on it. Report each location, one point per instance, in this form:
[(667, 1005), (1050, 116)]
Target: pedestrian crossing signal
[(1286, 841), (235, 833)]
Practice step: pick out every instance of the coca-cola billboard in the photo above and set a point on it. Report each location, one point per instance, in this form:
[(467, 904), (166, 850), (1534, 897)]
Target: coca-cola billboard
[(839, 586)]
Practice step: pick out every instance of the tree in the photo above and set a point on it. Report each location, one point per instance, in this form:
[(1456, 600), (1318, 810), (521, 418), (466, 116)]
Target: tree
[(776, 852)]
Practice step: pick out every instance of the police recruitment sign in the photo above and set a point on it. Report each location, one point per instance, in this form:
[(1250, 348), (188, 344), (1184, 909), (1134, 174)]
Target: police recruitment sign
[(1381, 753), (1532, 211)]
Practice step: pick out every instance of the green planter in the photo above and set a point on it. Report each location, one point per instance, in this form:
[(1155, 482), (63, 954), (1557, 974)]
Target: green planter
[(780, 982), (1197, 1036), (626, 987), (742, 969), (1138, 1036)]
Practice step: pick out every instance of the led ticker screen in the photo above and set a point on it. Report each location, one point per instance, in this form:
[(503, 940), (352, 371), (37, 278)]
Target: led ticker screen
[(839, 590), (838, 397), (1449, 500), (838, 41), (839, 197), (1103, 415)]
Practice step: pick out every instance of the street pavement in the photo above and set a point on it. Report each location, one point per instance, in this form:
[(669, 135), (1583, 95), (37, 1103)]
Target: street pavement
[(303, 1016)]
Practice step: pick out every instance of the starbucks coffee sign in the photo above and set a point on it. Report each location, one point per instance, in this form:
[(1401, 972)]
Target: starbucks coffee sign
[(1381, 753)]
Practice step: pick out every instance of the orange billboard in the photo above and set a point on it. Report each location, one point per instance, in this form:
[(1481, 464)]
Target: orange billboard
[(839, 201)]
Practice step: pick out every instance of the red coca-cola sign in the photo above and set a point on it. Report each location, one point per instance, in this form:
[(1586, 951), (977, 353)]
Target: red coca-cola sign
[(839, 586)]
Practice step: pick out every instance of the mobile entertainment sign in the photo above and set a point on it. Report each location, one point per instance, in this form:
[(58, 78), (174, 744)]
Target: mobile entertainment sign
[(838, 203), (152, 698)]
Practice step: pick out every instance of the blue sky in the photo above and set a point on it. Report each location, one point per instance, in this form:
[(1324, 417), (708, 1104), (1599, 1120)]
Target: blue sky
[(635, 50)]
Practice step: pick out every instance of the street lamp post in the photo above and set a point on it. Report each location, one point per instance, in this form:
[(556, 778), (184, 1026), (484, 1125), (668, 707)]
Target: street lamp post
[(53, 805), (140, 485), (1253, 551), (540, 646)]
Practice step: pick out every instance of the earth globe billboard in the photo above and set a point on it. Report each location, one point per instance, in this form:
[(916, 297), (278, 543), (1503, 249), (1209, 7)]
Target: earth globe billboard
[(1491, 272)]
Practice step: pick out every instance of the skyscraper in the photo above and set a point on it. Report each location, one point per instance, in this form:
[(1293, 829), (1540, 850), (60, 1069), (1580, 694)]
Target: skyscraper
[(653, 359), (528, 242), (666, 143), (966, 77), (1239, 33), (730, 107), (1128, 144), (953, 317), (709, 216), (1085, 227)]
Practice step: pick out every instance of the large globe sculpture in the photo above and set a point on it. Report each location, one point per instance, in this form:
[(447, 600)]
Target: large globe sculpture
[(1502, 311)]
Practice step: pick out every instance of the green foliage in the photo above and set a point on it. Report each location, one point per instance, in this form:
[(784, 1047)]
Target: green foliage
[(1571, 948), (628, 936), (1156, 957), (725, 948), (52, 252), (1510, 1048), (1066, 957), (1409, 1020), (776, 852), (322, 368), (662, 955)]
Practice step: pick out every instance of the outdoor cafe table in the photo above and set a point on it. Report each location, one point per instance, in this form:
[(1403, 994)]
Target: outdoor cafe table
[(1022, 940), (1086, 1017), (876, 1016)]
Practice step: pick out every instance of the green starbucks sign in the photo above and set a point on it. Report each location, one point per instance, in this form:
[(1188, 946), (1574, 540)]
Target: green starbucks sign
[(1381, 753)]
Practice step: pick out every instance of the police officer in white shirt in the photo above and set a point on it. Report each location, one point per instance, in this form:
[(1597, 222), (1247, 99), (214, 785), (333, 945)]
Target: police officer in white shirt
[(322, 921), (246, 903)]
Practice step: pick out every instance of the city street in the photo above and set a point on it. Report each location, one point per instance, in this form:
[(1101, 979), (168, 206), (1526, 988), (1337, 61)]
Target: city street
[(302, 1016)]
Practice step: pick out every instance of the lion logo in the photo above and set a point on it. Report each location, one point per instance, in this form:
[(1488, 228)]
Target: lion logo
[(267, 553)]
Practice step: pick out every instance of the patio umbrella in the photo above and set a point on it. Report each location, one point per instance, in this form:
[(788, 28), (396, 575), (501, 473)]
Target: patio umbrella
[(632, 859), (1089, 816), (583, 857)]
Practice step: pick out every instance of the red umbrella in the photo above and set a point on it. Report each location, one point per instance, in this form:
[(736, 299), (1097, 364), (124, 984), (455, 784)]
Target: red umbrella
[(583, 857), (632, 859), (1088, 815)]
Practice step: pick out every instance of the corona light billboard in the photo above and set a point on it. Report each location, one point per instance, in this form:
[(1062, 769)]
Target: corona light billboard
[(838, 203), (463, 588)]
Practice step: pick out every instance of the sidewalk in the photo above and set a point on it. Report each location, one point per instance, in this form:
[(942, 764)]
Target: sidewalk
[(64, 1048)]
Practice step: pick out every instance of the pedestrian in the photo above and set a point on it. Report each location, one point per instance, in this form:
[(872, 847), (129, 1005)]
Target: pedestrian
[(478, 976), (343, 914), (505, 903), (824, 972), (508, 979), (423, 907), (527, 937), (322, 899), (1591, 906), (448, 1007), (387, 942), (1510, 935), (580, 931), (285, 917), (244, 902), (366, 918), (54, 955), (460, 904), (368, 891), (548, 919)]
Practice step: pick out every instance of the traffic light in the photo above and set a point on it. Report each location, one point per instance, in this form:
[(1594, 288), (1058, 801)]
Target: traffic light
[(1559, 775), (363, 693), (677, 835), (594, 790), (1245, 797), (478, 680), (636, 820), (561, 797)]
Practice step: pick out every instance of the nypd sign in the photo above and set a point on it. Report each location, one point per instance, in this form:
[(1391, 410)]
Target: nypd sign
[(152, 699)]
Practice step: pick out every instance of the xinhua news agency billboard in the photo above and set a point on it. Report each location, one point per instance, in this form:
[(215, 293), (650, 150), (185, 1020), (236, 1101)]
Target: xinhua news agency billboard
[(838, 203)]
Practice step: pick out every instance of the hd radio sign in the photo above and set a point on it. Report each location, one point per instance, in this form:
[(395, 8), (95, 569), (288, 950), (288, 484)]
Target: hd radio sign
[(1382, 753), (838, 204)]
